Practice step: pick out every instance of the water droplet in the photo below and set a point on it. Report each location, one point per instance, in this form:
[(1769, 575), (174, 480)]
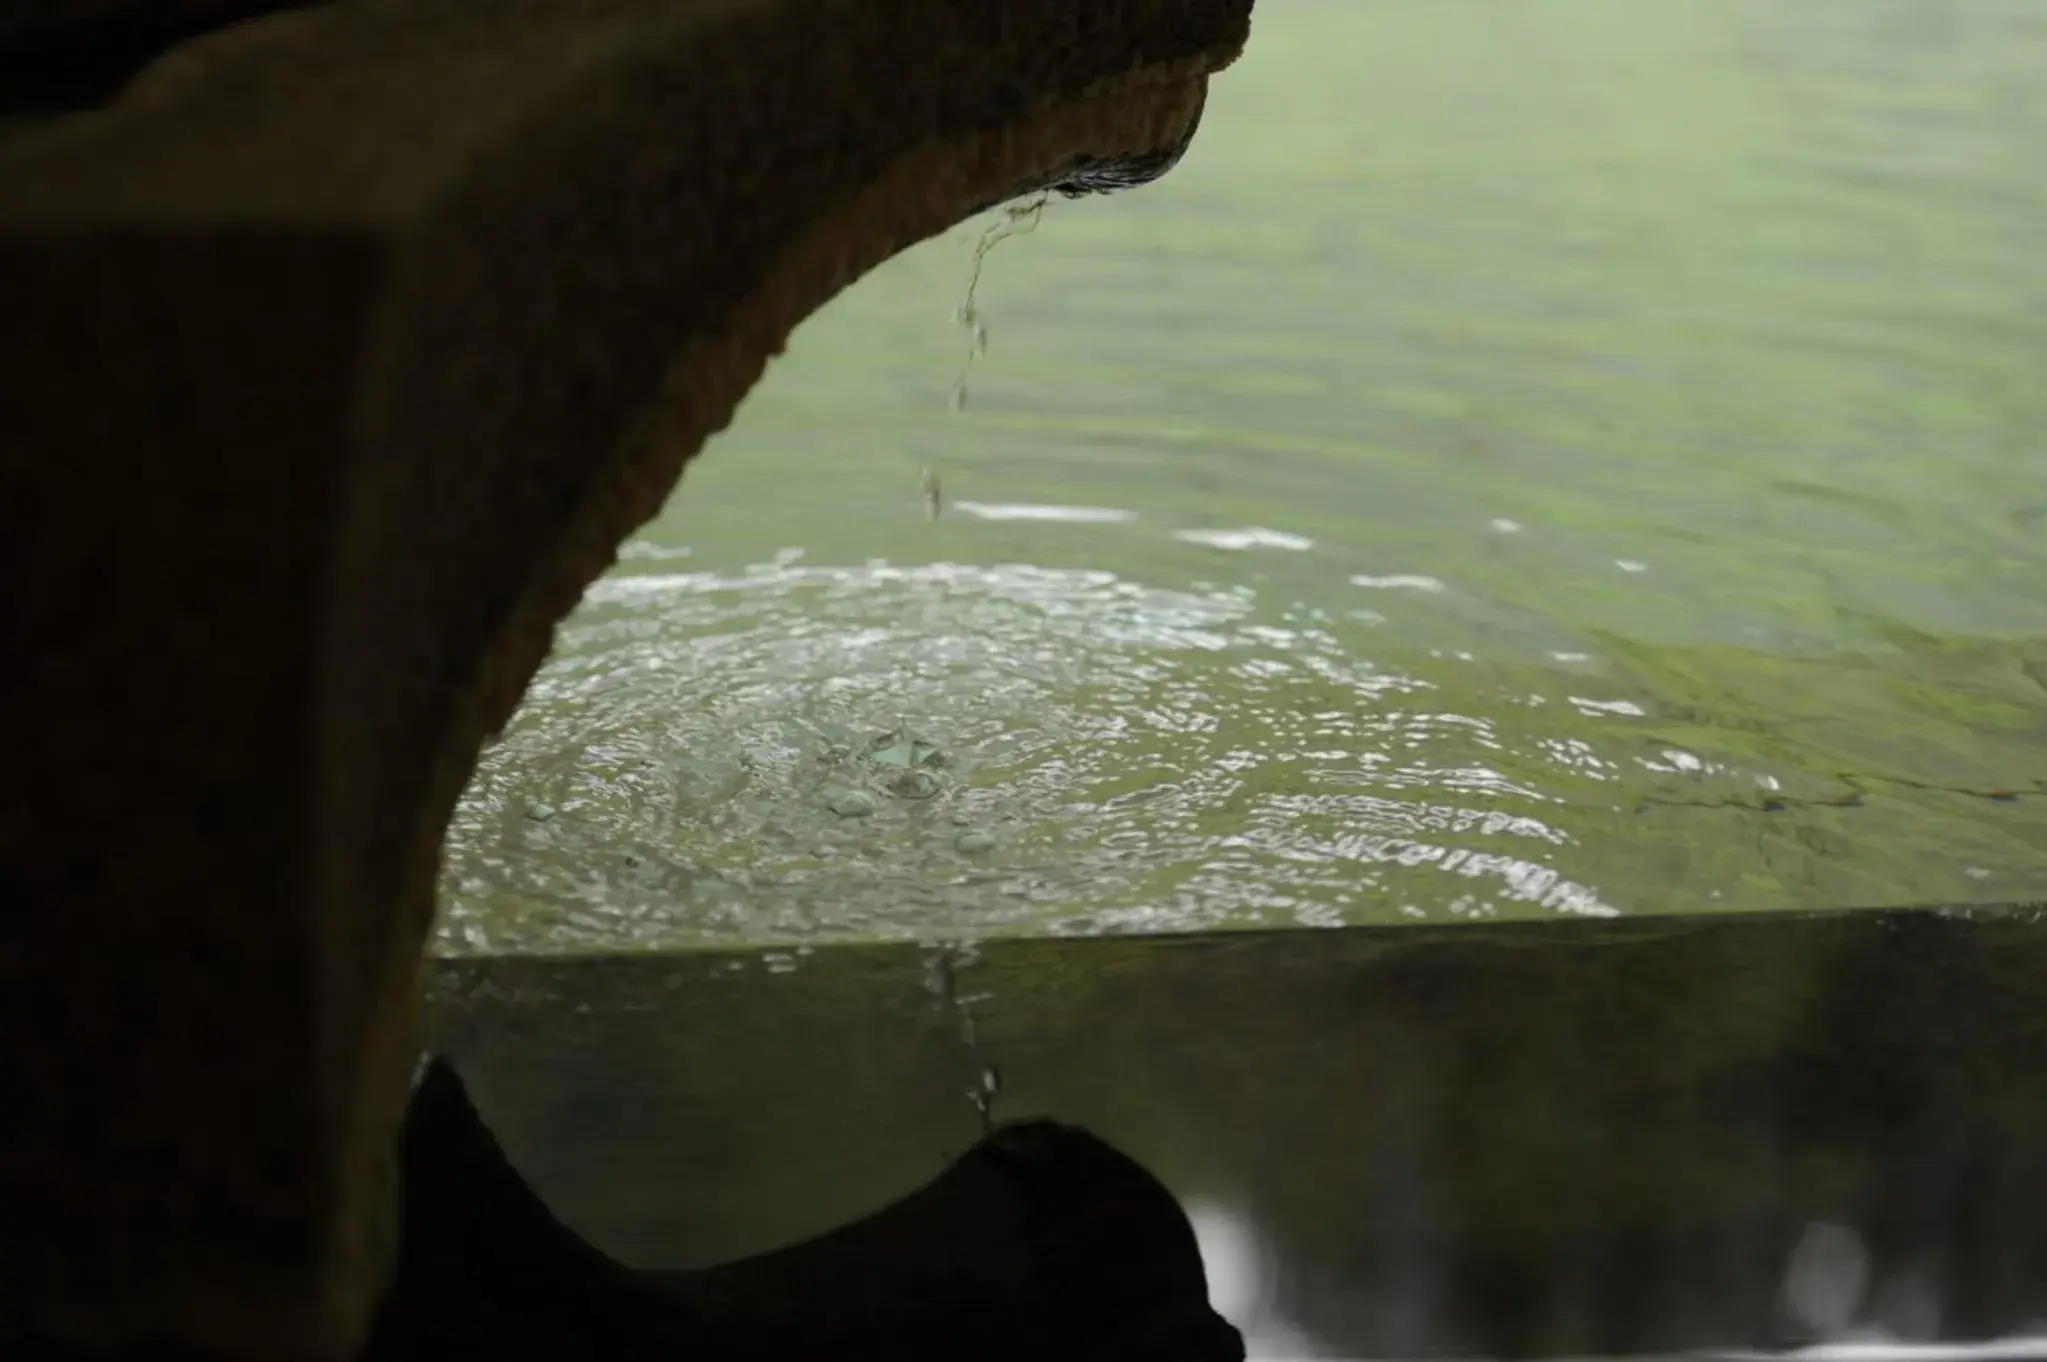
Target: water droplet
[(1016, 219)]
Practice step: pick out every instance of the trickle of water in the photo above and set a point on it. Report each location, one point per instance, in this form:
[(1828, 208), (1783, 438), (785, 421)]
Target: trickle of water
[(941, 981), (1015, 219)]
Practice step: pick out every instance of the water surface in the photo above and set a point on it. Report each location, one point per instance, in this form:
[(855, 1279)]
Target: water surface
[(1560, 458)]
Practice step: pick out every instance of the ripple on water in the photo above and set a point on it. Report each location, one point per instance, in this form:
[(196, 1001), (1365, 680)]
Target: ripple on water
[(1126, 759)]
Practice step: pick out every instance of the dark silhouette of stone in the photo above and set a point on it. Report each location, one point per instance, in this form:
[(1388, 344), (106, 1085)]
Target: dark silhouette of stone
[(1040, 1242), (65, 55), (340, 350)]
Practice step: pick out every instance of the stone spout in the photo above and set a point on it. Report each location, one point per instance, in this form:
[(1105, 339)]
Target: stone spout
[(339, 349)]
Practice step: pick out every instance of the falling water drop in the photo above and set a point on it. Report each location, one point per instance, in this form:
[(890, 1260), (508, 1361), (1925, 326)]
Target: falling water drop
[(1015, 219), (941, 980)]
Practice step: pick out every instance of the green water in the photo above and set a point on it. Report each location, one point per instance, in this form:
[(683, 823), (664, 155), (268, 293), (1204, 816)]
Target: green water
[(1537, 459)]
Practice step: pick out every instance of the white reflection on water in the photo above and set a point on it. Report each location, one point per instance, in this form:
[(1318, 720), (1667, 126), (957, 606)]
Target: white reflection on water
[(1243, 1286), (1071, 515), (1398, 581), (1827, 1279), (2031, 1347), (1825, 1285), (1255, 537)]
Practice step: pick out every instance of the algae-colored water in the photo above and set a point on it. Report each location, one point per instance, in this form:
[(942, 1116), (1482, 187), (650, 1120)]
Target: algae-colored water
[(1531, 459)]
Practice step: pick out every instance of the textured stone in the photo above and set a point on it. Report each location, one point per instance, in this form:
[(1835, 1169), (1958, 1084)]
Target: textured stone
[(340, 354)]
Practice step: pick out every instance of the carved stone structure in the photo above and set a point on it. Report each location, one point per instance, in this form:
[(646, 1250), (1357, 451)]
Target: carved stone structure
[(338, 351)]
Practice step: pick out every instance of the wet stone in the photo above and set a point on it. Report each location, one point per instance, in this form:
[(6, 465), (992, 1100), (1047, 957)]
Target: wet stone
[(915, 785), (903, 750), (851, 803), (540, 813), (974, 841)]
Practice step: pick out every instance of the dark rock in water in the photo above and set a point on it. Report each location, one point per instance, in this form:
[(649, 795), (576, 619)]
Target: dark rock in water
[(1040, 1243), (914, 785)]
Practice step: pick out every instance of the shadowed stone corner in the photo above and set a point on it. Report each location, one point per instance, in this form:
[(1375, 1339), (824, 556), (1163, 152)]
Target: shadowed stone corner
[(341, 348), (1040, 1242)]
